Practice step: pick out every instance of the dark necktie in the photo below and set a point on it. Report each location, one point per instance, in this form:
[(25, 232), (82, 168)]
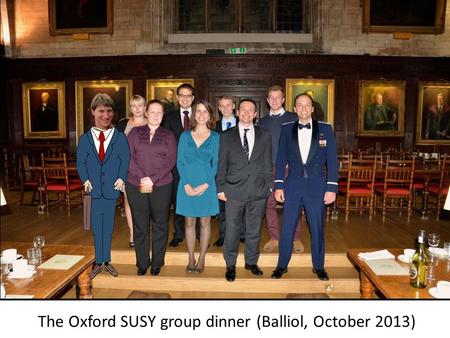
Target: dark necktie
[(246, 149), (101, 149), (228, 125), (307, 126), (186, 124)]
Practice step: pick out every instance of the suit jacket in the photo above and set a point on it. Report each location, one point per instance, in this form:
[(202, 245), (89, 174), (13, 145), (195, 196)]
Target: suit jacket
[(172, 121), (218, 127), (241, 178), (311, 175), (103, 175)]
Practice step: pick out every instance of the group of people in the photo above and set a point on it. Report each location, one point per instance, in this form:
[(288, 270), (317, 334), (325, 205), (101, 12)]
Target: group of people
[(231, 168)]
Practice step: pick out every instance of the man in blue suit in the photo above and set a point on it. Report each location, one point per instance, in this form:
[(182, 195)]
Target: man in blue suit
[(102, 163), (306, 147)]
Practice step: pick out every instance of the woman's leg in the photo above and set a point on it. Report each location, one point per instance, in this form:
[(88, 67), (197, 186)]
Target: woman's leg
[(205, 236), (189, 226)]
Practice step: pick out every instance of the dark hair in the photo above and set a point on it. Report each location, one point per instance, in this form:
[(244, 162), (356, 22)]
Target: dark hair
[(303, 94), (246, 100), (185, 86), (152, 102), (211, 124)]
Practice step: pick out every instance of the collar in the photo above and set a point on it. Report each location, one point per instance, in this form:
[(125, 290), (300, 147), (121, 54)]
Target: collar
[(241, 127), (279, 113), (189, 110), (97, 131)]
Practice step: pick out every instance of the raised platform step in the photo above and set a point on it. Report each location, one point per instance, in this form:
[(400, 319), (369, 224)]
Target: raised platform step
[(215, 259), (176, 279)]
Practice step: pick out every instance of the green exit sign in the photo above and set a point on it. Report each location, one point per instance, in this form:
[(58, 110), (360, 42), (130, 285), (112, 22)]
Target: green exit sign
[(241, 50)]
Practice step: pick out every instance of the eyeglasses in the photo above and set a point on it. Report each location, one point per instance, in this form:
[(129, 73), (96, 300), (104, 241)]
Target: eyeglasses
[(182, 96)]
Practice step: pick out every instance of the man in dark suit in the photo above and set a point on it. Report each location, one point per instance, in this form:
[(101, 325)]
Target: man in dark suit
[(244, 179), (103, 156), (306, 147), (45, 117), (227, 121), (178, 121)]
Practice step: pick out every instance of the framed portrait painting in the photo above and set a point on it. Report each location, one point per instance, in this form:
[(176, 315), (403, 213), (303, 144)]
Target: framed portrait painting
[(165, 90), (74, 16), (119, 90), (381, 110), (322, 92), (433, 113), (44, 113), (412, 16)]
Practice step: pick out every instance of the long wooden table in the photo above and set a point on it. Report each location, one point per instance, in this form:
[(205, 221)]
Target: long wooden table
[(46, 283), (394, 286)]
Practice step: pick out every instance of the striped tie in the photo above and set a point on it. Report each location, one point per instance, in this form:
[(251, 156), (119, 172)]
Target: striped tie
[(246, 149)]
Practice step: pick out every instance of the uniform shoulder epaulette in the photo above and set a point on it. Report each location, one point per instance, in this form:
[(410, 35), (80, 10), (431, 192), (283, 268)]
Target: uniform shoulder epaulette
[(286, 123), (323, 122)]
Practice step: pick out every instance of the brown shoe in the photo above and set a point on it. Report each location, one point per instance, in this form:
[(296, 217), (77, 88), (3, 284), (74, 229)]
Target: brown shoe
[(111, 270), (298, 246), (271, 245), (96, 270)]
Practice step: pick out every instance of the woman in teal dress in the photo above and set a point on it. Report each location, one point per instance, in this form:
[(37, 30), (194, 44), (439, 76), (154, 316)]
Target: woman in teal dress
[(198, 152)]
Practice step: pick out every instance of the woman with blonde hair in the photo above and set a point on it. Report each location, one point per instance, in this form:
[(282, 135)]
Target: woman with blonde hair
[(136, 118)]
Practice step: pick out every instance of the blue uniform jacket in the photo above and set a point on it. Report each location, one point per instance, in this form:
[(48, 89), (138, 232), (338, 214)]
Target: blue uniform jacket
[(103, 175), (320, 170)]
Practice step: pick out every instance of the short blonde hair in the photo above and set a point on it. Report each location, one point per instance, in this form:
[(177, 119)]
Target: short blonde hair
[(136, 98)]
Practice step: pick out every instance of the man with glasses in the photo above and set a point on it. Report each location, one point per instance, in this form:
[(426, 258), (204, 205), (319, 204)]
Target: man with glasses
[(307, 147)]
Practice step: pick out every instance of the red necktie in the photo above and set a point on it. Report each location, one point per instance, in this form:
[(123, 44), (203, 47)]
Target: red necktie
[(101, 149), (186, 123)]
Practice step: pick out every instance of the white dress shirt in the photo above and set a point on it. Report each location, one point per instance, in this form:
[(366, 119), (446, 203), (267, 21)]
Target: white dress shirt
[(232, 120), (279, 113), (250, 137), (304, 141), (182, 114), (108, 136)]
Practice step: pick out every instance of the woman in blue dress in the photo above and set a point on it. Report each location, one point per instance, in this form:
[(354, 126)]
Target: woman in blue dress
[(198, 152)]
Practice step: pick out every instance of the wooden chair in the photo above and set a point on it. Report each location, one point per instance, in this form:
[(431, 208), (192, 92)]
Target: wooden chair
[(360, 184), (398, 184), (56, 180), (29, 180), (440, 191)]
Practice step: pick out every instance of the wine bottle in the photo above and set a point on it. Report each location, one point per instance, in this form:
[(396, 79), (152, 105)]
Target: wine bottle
[(419, 264)]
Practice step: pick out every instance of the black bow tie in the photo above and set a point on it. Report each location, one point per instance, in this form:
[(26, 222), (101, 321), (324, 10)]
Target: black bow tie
[(307, 126)]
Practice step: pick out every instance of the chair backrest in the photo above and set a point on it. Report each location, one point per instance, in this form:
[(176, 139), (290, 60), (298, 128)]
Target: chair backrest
[(361, 172), (55, 169), (445, 173), (25, 171), (399, 172)]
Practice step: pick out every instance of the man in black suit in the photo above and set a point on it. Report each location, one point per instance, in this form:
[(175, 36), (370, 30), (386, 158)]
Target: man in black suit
[(227, 121), (178, 121), (45, 117), (244, 179)]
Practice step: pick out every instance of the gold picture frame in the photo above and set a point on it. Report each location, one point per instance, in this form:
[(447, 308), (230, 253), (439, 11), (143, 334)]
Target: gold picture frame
[(422, 17), (322, 94), (433, 114), (74, 17), (44, 110), (158, 89), (381, 109), (119, 90)]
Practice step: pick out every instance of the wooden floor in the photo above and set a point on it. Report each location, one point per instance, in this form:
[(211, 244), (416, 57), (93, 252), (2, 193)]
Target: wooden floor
[(24, 223)]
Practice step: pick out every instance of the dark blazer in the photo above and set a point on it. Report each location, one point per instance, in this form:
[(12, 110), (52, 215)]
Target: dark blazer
[(218, 127), (122, 124), (103, 175), (172, 121), (241, 178)]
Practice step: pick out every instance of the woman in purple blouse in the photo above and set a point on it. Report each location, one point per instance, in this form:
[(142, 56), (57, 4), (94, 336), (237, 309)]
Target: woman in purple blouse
[(153, 155)]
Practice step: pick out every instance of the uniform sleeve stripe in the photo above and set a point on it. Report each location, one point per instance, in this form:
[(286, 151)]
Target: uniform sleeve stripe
[(279, 181), (332, 183)]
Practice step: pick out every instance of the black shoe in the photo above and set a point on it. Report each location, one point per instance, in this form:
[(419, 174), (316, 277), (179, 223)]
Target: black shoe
[(278, 272), (230, 275), (155, 271), (219, 242), (142, 272), (174, 242), (321, 274), (96, 270), (254, 269), (242, 240), (111, 269)]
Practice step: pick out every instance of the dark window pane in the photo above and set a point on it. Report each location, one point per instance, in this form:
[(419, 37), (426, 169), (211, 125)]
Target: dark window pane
[(222, 15), (289, 16), (191, 15), (257, 16)]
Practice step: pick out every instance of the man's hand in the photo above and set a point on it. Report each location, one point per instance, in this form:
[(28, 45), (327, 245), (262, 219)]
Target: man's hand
[(201, 189), (87, 186), (329, 197), (221, 196), (279, 195), (119, 185)]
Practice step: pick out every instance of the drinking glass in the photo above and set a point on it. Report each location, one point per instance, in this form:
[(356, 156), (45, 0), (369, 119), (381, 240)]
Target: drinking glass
[(447, 250), (34, 255), (39, 242), (433, 240)]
